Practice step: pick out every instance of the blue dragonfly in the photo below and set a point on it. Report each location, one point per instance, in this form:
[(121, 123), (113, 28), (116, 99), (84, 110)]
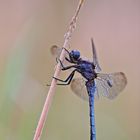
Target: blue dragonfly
[(92, 83)]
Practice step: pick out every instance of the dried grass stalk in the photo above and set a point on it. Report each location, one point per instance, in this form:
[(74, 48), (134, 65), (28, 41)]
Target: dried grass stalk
[(51, 91)]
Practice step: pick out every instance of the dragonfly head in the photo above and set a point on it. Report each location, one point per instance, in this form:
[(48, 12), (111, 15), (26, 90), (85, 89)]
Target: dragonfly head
[(74, 55)]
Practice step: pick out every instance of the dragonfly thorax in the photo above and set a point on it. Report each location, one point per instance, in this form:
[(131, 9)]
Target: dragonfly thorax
[(87, 70)]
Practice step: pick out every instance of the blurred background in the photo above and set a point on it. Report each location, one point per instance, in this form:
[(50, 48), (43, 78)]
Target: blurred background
[(28, 28)]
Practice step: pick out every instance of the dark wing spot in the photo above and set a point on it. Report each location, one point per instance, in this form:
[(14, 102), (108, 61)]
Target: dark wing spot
[(109, 83)]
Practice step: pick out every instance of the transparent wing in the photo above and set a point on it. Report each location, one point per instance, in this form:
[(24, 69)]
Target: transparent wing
[(56, 51), (110, 85), (95, 59), (79, 88)]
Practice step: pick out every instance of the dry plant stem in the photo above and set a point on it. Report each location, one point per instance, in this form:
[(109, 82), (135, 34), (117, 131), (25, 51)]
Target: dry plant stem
[(51, 92)]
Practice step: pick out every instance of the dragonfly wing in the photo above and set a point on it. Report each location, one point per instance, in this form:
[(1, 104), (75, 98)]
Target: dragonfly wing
[(56, 51), (79, 88), (110, 85), (95, 59)]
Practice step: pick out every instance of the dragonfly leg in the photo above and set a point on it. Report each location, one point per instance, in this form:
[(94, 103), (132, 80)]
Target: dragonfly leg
[(69, 55), (68, 60), (58, 60), (66, 50), (67, 67), (68, 79)]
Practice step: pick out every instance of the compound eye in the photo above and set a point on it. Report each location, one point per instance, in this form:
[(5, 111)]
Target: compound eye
[(76, 54)]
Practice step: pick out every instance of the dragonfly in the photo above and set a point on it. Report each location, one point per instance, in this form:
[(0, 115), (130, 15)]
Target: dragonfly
[(92, 83)]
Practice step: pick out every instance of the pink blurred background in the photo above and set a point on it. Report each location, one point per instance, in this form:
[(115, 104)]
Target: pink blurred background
[(29, 29)]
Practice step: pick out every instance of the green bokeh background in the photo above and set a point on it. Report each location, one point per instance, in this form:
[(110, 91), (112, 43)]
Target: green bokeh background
[(29, 29)]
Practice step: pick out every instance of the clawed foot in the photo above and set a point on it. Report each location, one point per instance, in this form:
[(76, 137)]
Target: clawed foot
[(48, 85), (66, 50), (55, 78), (59, 61)]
